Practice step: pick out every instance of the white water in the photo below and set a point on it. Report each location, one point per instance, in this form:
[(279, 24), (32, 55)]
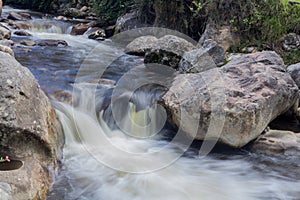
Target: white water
[(187, 178)]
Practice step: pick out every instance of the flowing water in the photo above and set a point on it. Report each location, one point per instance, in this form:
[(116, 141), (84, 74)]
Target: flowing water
[(102, 161)]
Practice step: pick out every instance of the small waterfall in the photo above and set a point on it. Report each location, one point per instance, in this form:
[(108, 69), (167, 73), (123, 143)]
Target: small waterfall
[(50, 26), (99, 162)]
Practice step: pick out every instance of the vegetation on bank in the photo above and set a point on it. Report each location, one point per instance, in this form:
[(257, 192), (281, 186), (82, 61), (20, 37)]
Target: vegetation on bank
[(259, 23)]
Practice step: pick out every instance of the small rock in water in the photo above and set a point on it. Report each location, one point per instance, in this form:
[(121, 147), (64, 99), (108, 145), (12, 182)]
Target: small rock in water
[(28, 43), (96, 34), (52, 43), (22, 33)]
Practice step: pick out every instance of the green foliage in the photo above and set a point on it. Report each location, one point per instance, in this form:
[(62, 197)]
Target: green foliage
[(42, 5), (111, 9)]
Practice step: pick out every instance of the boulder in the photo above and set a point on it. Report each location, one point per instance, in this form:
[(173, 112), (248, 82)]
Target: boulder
[(52, 43), (195, 61), (204, 58), (140, 45), (22, 33), (291, 42), (7, 49), (232, 104), (222, 35), (294, 70), (168, 50), (4, 32), (80, 29), (278, 142), (28, 42), (29, 132), (128, 21), (96, 33)]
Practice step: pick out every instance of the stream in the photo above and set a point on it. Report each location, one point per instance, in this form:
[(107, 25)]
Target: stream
[(104, 162)]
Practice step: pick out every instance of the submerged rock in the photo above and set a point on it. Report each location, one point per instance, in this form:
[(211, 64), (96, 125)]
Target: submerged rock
[(29, 132), (53, 43), (241, 99)]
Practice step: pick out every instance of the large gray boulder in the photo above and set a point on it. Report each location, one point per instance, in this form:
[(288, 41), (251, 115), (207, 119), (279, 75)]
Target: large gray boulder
[(168, 50), (232, 104), (209, 56), (29, 132)]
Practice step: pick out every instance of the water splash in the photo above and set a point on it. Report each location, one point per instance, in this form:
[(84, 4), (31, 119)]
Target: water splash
[(187, 178)]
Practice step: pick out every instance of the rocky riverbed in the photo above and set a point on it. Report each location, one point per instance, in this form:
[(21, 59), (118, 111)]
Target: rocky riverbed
[(208, 95)]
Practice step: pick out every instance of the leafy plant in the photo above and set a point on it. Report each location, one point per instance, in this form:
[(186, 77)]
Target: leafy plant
[(6, 159)]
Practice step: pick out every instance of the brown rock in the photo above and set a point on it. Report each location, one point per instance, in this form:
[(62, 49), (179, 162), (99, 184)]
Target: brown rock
[(22, 33), (80, 29), (7, 49), (22, 25), (0, 8), (17, 16), (29, 132), (28, 42), (278, 142), (5, 32)]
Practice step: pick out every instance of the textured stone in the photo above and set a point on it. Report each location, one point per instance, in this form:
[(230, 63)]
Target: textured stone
[(168, 50), (241, 98), (278, 142), (29, 131), (140, 45)]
